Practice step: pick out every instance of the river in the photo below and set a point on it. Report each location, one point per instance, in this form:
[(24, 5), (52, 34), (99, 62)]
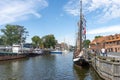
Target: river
[(48, 67)]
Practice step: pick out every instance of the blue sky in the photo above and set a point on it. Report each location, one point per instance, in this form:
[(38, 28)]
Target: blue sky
[(60, 17)]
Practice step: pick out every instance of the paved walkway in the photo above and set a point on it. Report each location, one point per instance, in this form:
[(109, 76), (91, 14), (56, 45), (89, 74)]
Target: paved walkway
[(113, 54)]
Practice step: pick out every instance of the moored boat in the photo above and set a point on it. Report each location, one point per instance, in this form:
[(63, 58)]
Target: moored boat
[(11, 56), (15, 52), (65, 51), (56, 52), (38, 51), (79, 52)]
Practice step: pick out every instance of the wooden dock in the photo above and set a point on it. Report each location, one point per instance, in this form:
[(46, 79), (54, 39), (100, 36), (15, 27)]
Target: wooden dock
[(107, 68)]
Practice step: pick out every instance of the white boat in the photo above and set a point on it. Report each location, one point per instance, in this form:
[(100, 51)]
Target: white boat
[(56, 52), (38, 51), (65, 51)]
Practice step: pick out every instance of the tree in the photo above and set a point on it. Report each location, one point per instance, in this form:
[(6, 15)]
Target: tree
[(86, 43), (49, 41), (97, 36), (14, 34), (2, 40), (36, 41)]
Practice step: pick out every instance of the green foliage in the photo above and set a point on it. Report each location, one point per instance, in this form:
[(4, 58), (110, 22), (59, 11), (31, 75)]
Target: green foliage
[(49, 41), (86, 43), (36, 41), (2, 40), (97, 36), (13, 34)]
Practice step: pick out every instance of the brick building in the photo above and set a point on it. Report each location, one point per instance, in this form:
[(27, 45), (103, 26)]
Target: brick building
[(111, 43), (61, 46)]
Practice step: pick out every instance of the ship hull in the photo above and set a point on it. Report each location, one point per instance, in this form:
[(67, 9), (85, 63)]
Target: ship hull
[(11, 57), (81, 62), (56, 52)]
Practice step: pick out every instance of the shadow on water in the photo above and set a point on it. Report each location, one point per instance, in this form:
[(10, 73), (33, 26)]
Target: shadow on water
[(87, 73)]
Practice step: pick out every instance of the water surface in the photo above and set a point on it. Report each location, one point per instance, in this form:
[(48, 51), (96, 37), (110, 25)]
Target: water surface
[(50, 67)]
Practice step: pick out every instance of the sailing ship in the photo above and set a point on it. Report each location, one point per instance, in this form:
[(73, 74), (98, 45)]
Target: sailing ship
[(65, 49), (80, 50)]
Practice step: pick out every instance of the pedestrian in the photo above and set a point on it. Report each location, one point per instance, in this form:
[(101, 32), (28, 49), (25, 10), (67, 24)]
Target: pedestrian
[(103, 52)]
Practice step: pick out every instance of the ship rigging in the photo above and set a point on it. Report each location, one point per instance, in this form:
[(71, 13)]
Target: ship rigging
[(80, 48)]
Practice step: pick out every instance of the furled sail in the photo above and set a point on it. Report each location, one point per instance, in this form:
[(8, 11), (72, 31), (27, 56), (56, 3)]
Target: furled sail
[(81, 35)]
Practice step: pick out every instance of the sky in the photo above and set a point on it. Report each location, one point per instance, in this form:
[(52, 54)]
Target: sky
[(60, 17)]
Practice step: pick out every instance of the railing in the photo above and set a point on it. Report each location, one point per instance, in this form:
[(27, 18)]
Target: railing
[(107, 67)]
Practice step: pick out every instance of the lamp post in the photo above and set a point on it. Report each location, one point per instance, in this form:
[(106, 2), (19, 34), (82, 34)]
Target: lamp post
[(21, 40)]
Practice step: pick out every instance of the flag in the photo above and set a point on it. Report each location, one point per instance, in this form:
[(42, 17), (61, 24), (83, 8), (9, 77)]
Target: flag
[(84, 30)]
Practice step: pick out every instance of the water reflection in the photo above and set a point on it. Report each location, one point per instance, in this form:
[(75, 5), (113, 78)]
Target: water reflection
[(85, 73), (9, 70), (80, 72)]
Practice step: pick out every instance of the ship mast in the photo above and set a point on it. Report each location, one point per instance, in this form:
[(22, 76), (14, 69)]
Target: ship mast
[(78, 52), (79, 46), (80, 27)]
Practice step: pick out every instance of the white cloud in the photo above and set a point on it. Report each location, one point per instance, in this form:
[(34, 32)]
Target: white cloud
[(72, 7), (104, 30), (15, 10), (105, 9)]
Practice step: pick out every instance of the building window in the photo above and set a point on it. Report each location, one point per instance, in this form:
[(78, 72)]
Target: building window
[(117, 42)]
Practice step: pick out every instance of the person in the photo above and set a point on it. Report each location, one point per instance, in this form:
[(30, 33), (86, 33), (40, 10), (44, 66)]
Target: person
[(103, 51)]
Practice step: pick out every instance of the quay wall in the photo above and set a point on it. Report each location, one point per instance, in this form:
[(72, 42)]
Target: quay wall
[(108, 68)]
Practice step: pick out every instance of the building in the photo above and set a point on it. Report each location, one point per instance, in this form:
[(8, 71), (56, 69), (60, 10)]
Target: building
[(111, 43), (61, 46)]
